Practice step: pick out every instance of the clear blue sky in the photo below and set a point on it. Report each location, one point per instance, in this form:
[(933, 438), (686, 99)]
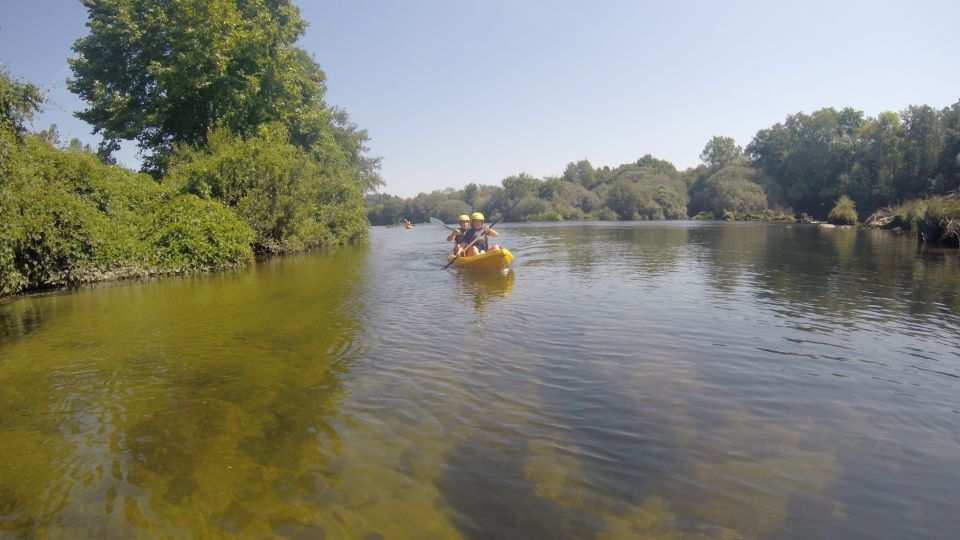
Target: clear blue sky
[(457, 91)]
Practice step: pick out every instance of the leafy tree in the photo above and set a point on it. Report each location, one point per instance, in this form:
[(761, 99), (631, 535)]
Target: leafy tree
[(448, 211), (18, 102), (470, 192), (581, 172), (631, 200), (807, 154), (673, 203), (275, 187), (165, 73), (922, 145), (722, 151), (657, 166), (734, 188), (949, 169), (519, 186), (577, 196), (51, 135), (874, 171)]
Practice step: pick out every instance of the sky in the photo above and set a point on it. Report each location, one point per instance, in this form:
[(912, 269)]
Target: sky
[(454, 92)]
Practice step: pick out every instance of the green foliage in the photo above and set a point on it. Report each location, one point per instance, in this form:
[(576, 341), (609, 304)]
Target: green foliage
[(813, 159), (520, 186), (18, 101), (581, 173), (807, 154), (448, 211), (69, 218), (844, 212), (165, 72), (280, 191), (733, 187), (189, 233), (936, 219), (721, 152), (168, 73), (704, 216), (805, 162)]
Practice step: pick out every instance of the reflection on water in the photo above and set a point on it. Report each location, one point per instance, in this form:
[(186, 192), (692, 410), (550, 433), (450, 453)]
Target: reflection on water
[(483, 286), (181, 405), (682, 380)]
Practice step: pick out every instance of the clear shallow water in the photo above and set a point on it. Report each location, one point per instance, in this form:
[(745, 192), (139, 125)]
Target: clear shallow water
[(663, 379)]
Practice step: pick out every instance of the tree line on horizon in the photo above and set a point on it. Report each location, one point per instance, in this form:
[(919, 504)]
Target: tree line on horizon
[(803, 165)]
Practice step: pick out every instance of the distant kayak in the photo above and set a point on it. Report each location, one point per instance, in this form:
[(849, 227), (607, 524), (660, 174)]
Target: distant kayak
[(495, 259)]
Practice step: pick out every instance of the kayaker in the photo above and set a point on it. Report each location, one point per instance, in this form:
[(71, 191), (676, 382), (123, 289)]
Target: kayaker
[(476, 230), (457, 234)]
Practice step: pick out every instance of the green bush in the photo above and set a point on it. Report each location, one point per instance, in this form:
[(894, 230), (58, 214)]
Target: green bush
[(844, 212), (936, 219), (188, 233), (704, 216), (546, 215), (290, 200), (733, 188), (69, 218), (606, 214)]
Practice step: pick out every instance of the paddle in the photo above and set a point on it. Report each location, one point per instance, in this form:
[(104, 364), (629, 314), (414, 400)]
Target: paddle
[(436, 221), (484, 233)]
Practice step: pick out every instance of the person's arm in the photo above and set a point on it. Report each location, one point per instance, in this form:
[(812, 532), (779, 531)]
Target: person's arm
[(491, 232), (453, 235)]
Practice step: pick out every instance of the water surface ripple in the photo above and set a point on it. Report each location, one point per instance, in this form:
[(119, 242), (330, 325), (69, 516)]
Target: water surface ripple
[(671, 379)]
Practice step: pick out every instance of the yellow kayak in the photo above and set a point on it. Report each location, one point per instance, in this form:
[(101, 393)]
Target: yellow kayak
[(495, 259)]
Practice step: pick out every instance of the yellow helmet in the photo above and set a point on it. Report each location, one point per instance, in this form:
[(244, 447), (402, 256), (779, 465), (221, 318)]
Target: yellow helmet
[(477, 215), (463, 217)]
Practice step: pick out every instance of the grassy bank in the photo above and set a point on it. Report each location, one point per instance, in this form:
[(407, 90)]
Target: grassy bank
[(935, 220)]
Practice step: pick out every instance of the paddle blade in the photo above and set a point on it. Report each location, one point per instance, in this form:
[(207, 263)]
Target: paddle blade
[(436, 221)]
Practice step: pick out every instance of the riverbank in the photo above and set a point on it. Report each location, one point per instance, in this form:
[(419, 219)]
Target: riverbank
[(68, 216), (935, 220)]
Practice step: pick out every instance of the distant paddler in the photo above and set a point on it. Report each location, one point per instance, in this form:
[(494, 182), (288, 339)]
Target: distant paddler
[(407, 224), (477, 236)]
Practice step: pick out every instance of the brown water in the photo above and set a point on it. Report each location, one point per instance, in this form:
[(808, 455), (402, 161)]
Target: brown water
[(676, 380)]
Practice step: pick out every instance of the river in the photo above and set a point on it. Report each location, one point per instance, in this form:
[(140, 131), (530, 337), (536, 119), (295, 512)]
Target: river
[(661, 379)]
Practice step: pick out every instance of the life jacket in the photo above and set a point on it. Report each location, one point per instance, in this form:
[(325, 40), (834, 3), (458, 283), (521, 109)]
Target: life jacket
[(470, 235)]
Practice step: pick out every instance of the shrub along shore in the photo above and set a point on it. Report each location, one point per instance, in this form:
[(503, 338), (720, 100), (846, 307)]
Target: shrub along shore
[(241, 154), (69, 218)]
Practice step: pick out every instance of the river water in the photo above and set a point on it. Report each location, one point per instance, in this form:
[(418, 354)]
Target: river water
[(671, 379)]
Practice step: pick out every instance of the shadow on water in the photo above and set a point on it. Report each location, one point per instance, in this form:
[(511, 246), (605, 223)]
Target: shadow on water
[(198, 407)]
